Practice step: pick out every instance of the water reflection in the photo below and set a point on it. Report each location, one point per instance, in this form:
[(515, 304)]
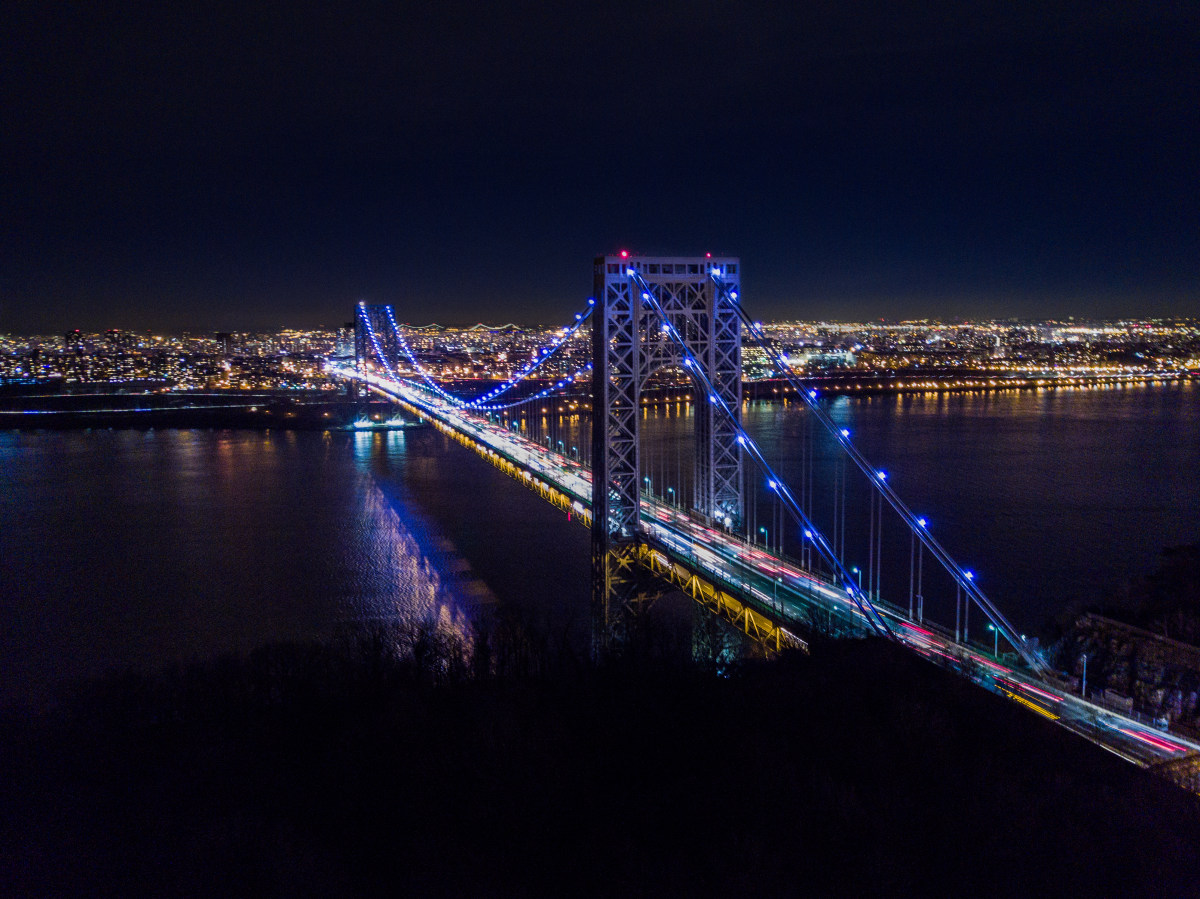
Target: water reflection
[(139, 548), (405, 580)]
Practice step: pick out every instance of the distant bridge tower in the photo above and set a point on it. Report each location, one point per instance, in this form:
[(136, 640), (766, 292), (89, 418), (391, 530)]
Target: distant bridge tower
[(628, 346), (372, 325)]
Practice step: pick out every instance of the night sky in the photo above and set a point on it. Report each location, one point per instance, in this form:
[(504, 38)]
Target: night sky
[(243, 167)]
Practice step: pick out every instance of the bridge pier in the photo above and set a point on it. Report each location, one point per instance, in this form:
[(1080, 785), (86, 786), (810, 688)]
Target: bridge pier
[(631, 340), (620, 604)]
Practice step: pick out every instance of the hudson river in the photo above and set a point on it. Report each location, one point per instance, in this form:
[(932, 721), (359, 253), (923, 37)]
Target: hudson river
[(142, 548)]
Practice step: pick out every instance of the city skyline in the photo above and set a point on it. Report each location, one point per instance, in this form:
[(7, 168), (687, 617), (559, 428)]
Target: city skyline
[(904, 161), (1189, 323)]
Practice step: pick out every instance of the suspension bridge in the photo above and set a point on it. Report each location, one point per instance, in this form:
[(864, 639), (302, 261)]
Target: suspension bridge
[(774, 559)]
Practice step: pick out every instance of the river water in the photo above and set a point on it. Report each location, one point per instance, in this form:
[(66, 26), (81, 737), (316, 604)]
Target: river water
[(130, 548)]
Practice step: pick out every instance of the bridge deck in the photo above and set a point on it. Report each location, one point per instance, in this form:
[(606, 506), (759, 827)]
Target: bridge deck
[(774, 598)]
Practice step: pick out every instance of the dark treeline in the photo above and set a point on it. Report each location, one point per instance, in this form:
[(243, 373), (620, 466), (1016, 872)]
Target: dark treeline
[(410, 759), (1165, 601), (1159, 677)]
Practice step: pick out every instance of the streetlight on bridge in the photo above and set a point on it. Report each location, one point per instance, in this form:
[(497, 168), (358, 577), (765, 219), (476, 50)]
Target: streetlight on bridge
[(920, 547), (766, 537), (960, 614), (967, 611)]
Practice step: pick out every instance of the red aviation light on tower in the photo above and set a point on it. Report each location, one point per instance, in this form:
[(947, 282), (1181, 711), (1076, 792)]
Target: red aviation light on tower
[(624, 254), (708, 255)]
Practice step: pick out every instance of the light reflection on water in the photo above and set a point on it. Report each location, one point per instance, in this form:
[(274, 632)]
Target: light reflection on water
[(402, 568), (142, 548)]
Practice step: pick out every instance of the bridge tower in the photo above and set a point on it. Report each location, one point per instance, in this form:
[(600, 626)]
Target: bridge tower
[(372, 326), (629, 344)]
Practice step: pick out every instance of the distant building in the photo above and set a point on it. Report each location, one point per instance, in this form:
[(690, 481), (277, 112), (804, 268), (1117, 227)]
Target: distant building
[(119, 340)]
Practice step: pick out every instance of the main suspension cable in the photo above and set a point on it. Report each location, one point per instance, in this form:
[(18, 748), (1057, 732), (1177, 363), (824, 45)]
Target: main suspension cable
[(776, 483), (540, 356), (915, 524)]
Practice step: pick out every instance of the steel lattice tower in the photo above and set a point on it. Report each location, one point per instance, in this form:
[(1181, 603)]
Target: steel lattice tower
[(629, 344)]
